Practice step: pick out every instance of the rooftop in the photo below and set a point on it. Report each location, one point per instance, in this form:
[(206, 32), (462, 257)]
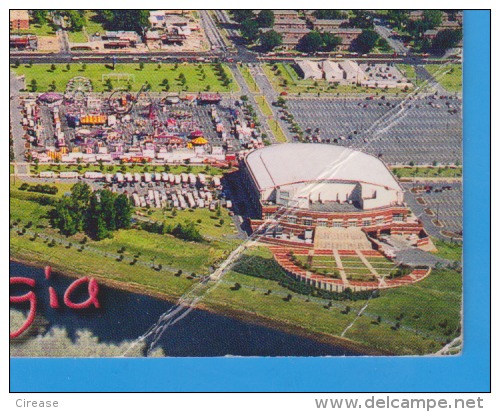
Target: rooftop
[(284, 164)]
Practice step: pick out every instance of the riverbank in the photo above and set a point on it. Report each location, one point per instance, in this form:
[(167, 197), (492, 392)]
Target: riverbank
[(219, 309)]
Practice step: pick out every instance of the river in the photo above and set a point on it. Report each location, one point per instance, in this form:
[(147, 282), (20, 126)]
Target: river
[(124, 316)]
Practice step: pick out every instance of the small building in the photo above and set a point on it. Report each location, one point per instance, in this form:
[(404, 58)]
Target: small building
[(329, 24), (309, 69), (285, 14), (352, 72), (290, 23), (332, 71), (347, 35), (430, 34), (291, 37), (19, 20)]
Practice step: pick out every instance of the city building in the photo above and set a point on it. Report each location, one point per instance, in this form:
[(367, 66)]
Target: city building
[(328, 24), (19, 20), (309, 69), (296, 188), (332, 71)]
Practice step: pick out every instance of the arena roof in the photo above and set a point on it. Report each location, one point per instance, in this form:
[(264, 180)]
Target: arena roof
[(283, 164)]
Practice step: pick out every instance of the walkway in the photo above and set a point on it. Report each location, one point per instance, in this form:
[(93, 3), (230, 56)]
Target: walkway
[(338, 262)]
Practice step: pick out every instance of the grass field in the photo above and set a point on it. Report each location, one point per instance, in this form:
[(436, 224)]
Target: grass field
[(427, 171), (448, 250), (132, 168), (409, 72), (417, 319), (286, 79), (195, 82), (450, 76), (77, 37), (103, 258), (38, 30), (252, 84), (416, 332)]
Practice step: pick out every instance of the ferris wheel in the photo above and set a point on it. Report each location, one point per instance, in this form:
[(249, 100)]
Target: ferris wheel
[(79, 84)]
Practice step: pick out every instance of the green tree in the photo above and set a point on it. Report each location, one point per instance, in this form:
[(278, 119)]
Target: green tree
[(330, 14), (34, 85), (432, 18), (39, 17), (270, 39), (123, 212), (366, 41), (241, 15), (52, 67), (446, 39), (330, 41), (249, 29), (311, 42), (125, 19), (265, 18)]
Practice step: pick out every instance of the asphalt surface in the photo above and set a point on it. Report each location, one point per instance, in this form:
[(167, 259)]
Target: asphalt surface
[(446, 206)]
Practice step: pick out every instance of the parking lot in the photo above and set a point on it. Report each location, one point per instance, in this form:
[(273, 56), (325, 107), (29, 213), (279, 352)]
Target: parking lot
[(422, 130), (443, 205)]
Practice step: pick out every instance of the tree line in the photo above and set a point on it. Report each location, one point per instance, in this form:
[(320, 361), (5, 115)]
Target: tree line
[(97, 213)]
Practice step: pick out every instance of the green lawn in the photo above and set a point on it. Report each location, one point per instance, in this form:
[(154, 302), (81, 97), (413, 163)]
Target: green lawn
[(151, 73), (132, 168), (286, 79), (414, 171), (92, 24), (77, 37), (416, 319), (206, 221), (424, 306), (448, 76), (103, 258), (38, 30), (448, 250), (409, 72), (249, 79)]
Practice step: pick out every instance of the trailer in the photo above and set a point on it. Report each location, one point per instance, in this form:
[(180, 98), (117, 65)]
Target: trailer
[(192, 179), (216, 182), (190, 200), (157, 177), (202, 179), (69, 175), (93, 175), (143, 201), (136, 200), (178, 179), (119, 177), (129, 177), (109, 177), (184, 177), (171, 178), (164, 177), (201, 203), (229, 204), (137, 177), (47, 174)]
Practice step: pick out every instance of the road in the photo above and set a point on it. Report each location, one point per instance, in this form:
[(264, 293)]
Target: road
[(212, 32), (396, 44), (424, 75), (251, 99), (17, 84), (271, 96)]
